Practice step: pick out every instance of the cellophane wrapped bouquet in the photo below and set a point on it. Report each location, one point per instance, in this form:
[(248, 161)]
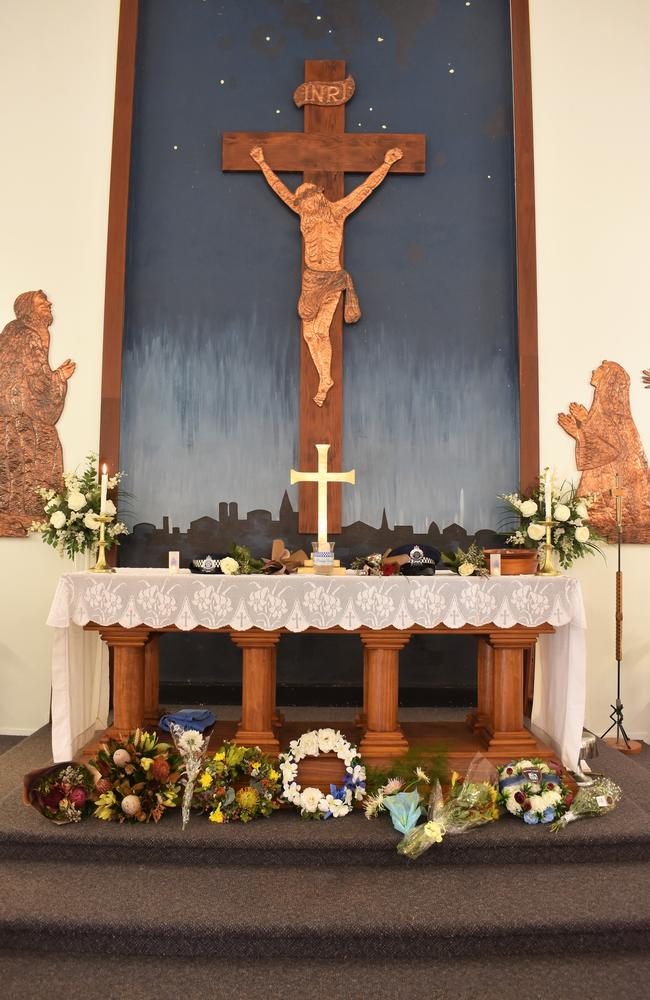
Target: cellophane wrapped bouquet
[(470, 803), (594, 800)]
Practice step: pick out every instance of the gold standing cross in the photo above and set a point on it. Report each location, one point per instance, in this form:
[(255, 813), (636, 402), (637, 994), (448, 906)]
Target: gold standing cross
[(322, 477)]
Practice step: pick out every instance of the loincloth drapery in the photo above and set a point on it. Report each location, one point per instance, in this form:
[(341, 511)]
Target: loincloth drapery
[(317, 285)]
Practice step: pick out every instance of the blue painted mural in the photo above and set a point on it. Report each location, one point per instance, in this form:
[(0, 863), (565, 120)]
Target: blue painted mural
[(211, 354)]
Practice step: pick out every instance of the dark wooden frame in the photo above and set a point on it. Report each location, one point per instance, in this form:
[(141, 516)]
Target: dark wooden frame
[(109, 440)]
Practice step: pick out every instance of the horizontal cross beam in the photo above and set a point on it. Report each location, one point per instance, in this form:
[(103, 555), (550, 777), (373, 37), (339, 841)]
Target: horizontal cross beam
[(296, 152)]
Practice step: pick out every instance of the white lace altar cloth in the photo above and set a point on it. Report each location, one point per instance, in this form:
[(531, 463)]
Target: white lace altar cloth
[(159, 599)]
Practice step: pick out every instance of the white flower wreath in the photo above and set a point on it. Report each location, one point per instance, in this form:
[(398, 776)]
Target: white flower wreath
[(529, 788), (311, 801)]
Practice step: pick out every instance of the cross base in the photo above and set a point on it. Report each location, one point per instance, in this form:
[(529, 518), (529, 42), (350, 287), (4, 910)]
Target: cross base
[(334, 570)]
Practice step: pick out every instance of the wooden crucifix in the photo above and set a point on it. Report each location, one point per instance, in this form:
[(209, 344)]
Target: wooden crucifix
[(323, 153)]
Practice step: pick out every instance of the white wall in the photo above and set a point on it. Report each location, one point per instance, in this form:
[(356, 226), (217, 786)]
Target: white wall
[(57, 81), (591, 93)]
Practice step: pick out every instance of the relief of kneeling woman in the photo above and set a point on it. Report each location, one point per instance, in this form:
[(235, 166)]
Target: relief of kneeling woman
[(608, 444)]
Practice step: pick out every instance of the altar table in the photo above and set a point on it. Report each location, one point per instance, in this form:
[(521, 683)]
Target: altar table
[(129, 609)]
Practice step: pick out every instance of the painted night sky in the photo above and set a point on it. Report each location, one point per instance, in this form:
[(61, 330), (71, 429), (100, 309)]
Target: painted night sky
[(211, 360)]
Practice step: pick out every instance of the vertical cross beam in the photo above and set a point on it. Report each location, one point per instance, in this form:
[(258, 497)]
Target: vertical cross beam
[(322, 423)]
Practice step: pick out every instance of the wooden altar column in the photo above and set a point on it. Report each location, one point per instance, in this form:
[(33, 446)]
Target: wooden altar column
[(480, 718), (128, 646), (383, 737), (258, 689), (503, 728), (152, 709)]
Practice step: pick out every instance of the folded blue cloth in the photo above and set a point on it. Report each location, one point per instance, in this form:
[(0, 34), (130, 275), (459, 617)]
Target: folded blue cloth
[(189, 718)]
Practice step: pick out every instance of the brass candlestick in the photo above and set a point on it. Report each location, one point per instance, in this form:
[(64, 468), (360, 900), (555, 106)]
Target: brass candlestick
[(100, 566), (548, 568)]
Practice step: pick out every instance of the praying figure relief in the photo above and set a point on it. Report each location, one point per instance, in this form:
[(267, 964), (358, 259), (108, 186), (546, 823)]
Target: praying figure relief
[(608, 444), (323, 278), (32, 396)]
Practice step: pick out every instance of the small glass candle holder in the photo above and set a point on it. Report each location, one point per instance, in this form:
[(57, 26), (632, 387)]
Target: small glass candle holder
[(322, 553)]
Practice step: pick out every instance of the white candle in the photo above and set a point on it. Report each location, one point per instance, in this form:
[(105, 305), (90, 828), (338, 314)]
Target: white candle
[(547, 495), (102, 503)]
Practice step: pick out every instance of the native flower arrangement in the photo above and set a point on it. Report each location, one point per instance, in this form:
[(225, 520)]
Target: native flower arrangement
[(470, 803), (470, 563), (63, 793), (595, 800), (401, 797), (571, 537), (311, 801), (71, 517), (216, 790), (532, 790), (138, 779)]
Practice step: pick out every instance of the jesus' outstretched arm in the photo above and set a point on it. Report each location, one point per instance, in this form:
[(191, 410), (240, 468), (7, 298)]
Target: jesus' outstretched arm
[(272, 179), (352, 201)]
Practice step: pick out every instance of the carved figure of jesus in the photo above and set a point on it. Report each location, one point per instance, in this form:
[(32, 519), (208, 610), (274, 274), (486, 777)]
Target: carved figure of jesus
[(323, 278)]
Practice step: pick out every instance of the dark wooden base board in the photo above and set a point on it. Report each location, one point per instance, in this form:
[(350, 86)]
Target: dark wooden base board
[(453, 739)]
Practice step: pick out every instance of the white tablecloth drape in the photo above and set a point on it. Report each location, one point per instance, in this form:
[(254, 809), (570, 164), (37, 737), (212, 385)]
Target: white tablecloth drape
[(157, 598)]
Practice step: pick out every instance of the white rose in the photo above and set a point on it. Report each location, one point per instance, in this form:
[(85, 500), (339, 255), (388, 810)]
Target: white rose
[(561, 512), (310, 798), (528, 508), (581, 510), (582, 535), (326, 739), (513, 806), (536, 531), (90, 520), (58, 519), (110, 508), (229, 566), (309, 744), (537, 803), (76, 501), (466, 569)]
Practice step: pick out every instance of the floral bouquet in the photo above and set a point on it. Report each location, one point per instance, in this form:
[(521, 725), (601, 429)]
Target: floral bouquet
[(191, 745), (401, 798), (532, 790), (71, 523), (62, 793), (368, 565), (237, 784), (138, 779), (571, 537), (470, 803), (595, 800), (467, 563)]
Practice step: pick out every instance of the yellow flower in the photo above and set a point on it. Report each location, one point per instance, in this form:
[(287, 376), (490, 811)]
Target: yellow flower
[(454, 778), (219, 757), (205, 780), (255, 765), (274, 775), (216, 816), (170, 798), (145, 763), (434, 831), (104, 806), (247, 799)]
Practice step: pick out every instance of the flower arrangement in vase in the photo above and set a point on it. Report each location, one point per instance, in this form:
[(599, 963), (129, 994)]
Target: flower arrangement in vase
[(71, 518), (569, 513)]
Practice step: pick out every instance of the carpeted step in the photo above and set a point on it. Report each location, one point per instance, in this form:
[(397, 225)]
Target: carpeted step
[(326, 913), (284, 839), (96, 977)]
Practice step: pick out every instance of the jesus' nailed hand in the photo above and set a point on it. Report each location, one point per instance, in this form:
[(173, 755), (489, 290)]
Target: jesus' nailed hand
[(323, 278)]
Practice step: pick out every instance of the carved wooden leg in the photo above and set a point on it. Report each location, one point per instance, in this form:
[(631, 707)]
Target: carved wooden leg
[(152, 710), (479, 719), (361, 718), (258, 689), (505, 731), (128, 645), (383, 737)]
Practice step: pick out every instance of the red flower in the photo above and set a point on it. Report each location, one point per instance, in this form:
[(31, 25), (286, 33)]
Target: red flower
[(52, 799), (568, 798), (77, 797), (103, 785), (520, 798), (550, 786), (527, 805), (509, 770), (160, 769), (389, 569)]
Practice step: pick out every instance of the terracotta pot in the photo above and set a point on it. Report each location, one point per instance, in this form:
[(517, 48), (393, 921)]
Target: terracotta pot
[(515, 562)]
